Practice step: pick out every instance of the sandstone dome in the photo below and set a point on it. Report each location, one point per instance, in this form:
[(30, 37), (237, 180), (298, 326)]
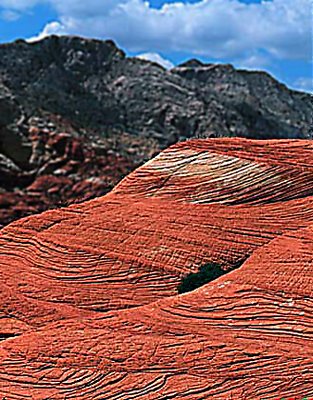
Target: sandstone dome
[(89, 304)]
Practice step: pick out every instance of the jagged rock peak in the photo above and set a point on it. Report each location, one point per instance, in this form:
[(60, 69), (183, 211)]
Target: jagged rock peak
[(192, 63), (60, 48), (81, 43), (195, 64)]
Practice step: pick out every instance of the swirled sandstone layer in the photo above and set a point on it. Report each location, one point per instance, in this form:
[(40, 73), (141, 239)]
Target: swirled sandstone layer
[(226, 171), (89, 304)]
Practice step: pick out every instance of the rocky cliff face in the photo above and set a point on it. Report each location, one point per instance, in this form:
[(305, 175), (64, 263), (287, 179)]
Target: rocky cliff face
[(119, 110), (89, 305), (93, 84)]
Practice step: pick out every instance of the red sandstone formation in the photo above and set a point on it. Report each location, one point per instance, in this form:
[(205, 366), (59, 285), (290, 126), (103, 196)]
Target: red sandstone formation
[(63, 169), (89, 303)]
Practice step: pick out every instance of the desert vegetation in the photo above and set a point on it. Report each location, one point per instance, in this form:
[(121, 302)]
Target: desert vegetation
[(206, 273)]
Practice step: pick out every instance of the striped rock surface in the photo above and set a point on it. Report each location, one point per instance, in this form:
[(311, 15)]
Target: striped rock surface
[(88, 295)]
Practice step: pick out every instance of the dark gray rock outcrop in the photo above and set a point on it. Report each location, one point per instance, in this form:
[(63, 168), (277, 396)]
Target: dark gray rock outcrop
[(93, 85)]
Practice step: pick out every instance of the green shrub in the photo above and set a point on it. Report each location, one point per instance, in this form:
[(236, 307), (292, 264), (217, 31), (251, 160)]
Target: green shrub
[(206, 274)]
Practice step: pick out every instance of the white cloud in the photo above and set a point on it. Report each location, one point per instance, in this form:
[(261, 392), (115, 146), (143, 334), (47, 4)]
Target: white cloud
[(253, 62), (209, 28), (19, 4), (304, 84), (10, 15), (157, 58), (53, 28)]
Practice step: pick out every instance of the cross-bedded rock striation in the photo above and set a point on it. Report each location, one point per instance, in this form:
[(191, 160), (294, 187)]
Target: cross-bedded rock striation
[(89, 302)]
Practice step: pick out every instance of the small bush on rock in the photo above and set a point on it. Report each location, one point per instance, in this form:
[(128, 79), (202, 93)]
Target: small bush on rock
[(206, 274)]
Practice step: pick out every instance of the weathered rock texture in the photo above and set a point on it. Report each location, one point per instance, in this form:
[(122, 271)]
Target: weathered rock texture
[(92, 83), (65, 169), (120, 112), (89, 305)]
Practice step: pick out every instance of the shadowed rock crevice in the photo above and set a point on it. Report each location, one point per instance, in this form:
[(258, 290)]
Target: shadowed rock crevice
[(5, 336)]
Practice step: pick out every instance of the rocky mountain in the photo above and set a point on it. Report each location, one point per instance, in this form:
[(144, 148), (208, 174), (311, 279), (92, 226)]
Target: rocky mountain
[(89, 299), (118, 108), (92, 84)]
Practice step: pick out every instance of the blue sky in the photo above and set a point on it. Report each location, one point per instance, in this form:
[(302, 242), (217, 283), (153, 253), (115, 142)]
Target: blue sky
[(272, 35)]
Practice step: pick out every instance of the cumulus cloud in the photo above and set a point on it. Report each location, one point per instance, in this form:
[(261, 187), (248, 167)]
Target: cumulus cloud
[(157, 58), (209, 28), (53, 28)]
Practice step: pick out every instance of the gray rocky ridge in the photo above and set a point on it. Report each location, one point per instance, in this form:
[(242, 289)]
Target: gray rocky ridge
[(93, 85)]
